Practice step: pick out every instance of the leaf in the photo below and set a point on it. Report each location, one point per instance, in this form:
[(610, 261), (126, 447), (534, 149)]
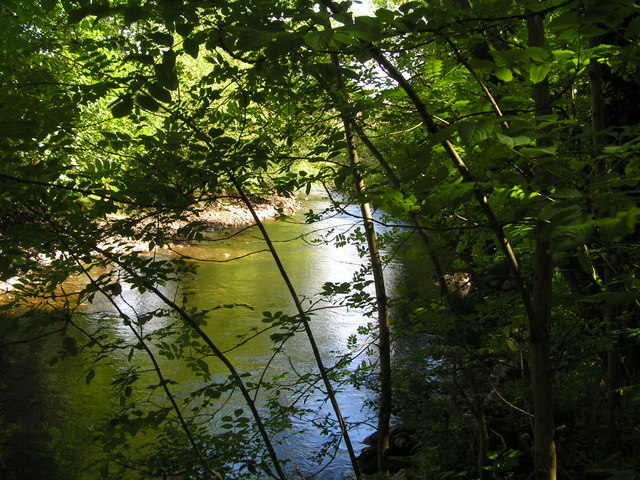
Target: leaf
[(191, 46), (513, 56), (623, 224), (159, 92), (99, 10), (48, 5), (481, 65), (115, 288), (204, 366), (148, 103), (473, 133), (537, 73), (564, 56), (184, 29), (504, 74), (215, 132), (90, 376), (633, 28), (133, 13), (318, 40), (165, 39), (512, 142), (169, 61), (537, 54), (123, 108), (165, 71), (538, 151)]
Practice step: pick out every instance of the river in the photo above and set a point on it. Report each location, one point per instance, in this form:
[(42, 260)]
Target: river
[(40, 400)]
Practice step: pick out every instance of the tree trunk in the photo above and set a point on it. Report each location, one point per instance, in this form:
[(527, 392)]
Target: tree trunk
[(324, 374), (540, 321), (384, 342)]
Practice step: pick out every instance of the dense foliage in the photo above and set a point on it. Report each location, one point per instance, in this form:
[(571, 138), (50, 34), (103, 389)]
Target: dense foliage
[(501, 135)]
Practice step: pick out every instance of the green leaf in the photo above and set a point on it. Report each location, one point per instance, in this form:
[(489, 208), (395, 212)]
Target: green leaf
[(618, 227), (123, 108), (165, 39), (204, 366), (159, 92), (512, 142), (133, 13), (48, 5), (191, 46), (564, 56), (512, 56), (537, 73), (215, 132), (169, 61), (184, 29), (504, 74), (148, 103), (473, 133), (165, 71), (318, 40), (90, 376), (481, 65), (537, 54), (538, 151)]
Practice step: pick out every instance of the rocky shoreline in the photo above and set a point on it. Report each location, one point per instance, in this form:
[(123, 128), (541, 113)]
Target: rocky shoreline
[(233, 213), (230, 213)]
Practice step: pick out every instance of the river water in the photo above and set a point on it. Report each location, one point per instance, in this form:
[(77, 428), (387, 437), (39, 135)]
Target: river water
[(40, 400)]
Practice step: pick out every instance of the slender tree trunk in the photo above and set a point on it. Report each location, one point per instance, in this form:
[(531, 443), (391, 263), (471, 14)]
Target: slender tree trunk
[(343, 104), (539, 314), (540, 321), (413, 216), (305, 322), (450, 150), (303, 319), (384, 337)]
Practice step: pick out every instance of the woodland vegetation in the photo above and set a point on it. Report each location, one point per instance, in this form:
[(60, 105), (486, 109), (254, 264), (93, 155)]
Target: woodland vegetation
[(502, 135)]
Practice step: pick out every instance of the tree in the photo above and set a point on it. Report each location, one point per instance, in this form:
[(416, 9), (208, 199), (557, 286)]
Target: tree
[(497, 131)]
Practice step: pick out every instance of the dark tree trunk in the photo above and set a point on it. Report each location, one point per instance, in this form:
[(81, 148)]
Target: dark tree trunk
[(540, 321)]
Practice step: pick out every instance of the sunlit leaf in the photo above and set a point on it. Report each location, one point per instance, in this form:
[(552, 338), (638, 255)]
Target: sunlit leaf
[(537, 73)]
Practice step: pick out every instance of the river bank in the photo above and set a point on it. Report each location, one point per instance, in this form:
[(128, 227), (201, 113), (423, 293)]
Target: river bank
[(227, 213), (224, 214), (233, 213)]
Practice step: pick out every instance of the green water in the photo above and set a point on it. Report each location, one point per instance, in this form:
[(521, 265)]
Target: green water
[(39, 398)]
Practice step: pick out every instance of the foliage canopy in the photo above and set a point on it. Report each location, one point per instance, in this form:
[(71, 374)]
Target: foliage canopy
[(501, 135)]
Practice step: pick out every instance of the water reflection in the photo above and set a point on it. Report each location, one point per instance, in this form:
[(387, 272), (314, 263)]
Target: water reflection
[(254, 286)]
